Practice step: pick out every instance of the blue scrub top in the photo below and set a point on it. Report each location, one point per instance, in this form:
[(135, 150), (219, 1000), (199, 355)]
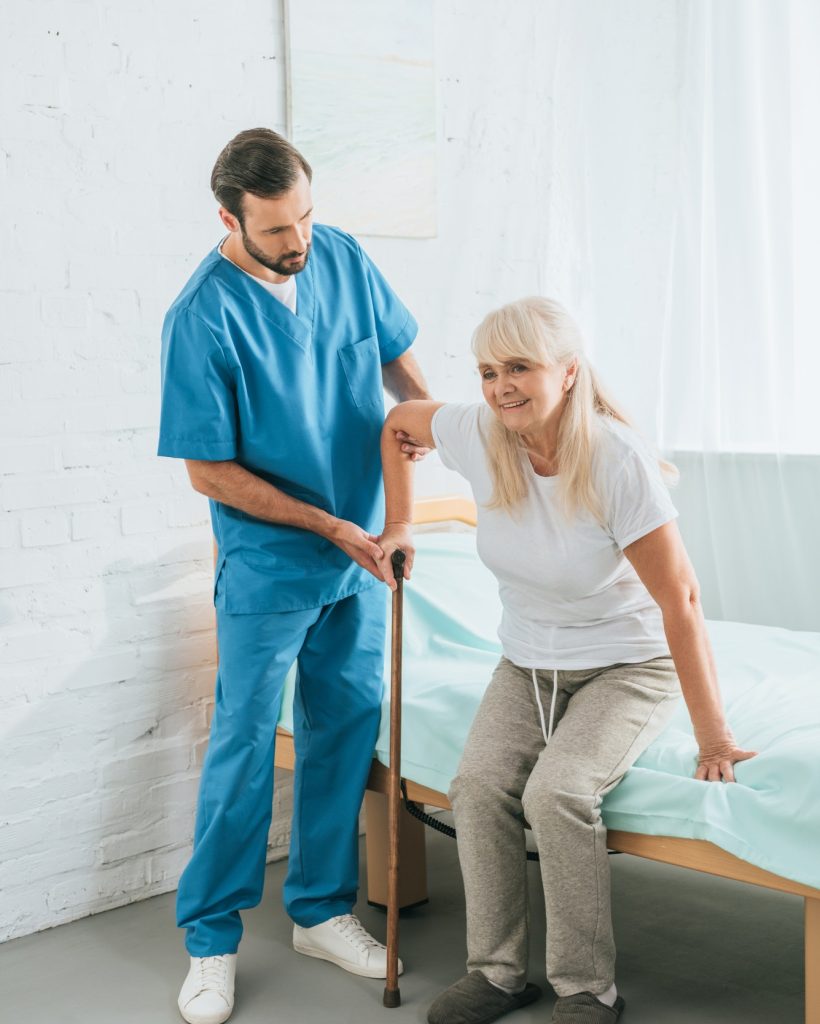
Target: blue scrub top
[(295, 399)]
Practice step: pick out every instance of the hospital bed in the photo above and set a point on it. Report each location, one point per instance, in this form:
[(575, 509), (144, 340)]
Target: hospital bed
[(764, 830)]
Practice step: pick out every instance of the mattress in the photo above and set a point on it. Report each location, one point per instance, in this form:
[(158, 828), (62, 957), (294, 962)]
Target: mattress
[(769, 677)]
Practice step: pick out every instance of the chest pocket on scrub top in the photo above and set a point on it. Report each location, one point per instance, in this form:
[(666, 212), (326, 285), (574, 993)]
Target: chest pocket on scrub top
[(362, 368)]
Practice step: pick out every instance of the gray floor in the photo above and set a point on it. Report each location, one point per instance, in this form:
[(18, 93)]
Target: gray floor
[(692, 950)]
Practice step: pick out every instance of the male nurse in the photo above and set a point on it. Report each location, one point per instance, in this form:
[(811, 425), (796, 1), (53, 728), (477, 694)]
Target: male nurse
[(274, 357)]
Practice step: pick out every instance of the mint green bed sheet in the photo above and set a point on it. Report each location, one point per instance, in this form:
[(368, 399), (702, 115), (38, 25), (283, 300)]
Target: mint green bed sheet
[(770, 679)]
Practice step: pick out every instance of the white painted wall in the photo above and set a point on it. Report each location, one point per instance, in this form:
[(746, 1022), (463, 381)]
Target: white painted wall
[(113, 112)]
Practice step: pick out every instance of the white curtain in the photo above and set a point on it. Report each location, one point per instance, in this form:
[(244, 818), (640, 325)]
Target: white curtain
[(653, 164), (742, 326), (684, 212), (684, 226)]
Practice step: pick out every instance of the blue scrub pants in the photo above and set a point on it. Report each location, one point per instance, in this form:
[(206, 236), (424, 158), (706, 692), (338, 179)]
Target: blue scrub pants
[(339, 649)]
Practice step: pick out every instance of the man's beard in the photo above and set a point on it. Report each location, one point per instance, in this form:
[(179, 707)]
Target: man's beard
[(278, 266)]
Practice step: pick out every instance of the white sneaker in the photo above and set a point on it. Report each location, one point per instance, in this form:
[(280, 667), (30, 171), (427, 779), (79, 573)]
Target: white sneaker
[(206, 996), (345, 942)]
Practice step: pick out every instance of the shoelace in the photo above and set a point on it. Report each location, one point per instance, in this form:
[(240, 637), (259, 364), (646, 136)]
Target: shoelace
[(350, 927), (213, 972)]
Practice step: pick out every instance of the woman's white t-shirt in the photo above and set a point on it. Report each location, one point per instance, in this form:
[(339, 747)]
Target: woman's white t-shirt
[(570, 597)]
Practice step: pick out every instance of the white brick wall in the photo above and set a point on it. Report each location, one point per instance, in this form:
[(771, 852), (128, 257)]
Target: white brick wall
[(112, 113)]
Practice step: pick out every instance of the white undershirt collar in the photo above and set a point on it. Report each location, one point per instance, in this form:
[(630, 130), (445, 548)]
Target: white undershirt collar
[(284, 291)]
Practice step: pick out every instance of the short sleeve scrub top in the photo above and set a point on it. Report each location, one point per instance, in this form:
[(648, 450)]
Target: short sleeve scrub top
[(295, 399)]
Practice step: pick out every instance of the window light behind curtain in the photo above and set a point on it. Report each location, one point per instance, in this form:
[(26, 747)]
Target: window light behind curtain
[(741, 336), (683, 229)]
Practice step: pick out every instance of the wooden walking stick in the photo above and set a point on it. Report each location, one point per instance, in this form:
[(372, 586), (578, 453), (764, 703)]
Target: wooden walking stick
[(392, 996)]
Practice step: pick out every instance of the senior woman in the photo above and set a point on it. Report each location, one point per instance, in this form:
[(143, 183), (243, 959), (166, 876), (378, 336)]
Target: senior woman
[(601, 631)]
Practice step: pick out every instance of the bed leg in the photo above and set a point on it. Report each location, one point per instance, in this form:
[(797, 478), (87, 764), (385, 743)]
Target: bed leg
[(412, 854), (812, 960)]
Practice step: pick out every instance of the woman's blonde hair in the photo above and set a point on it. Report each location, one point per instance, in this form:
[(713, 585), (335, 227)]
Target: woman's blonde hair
[(540, 331)]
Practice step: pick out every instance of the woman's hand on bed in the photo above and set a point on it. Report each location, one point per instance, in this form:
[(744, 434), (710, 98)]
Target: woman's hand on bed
[(396, 536), (716, 761)]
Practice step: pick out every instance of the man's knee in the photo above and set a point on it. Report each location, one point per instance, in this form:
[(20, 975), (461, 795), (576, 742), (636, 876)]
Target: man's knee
[(249, 722), (360, 707)]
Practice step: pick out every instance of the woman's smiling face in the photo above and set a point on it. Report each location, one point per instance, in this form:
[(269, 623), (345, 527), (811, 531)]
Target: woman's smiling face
[(525, 396)]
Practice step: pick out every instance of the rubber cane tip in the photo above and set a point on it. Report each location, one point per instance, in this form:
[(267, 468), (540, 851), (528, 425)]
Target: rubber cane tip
[(392, 998), (397, 560)]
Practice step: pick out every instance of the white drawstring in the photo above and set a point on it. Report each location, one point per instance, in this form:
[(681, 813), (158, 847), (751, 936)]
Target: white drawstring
[(547, 734), (554, 698), (540, 707)]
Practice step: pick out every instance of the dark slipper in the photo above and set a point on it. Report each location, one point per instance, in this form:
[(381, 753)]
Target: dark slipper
[(584, 1008), (474, 1000)]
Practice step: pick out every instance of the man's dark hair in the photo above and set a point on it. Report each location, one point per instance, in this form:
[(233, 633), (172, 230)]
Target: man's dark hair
[(257, 161)]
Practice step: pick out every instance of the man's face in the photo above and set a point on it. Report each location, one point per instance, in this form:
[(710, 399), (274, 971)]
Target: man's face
[(276, 232)]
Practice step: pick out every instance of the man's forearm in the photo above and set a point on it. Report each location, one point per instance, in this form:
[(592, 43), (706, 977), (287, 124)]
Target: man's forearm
[(404, 380), (233, 485)]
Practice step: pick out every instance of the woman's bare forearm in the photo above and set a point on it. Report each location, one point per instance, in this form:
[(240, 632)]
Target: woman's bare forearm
[(692, 654), (398, 479), (413, 418)]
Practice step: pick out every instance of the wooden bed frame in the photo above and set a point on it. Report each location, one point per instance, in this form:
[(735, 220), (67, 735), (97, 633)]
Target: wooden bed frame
[(688, 853)]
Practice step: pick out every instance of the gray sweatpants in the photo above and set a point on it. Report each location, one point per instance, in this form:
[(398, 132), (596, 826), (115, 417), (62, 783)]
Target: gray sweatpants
[(606, 717)]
